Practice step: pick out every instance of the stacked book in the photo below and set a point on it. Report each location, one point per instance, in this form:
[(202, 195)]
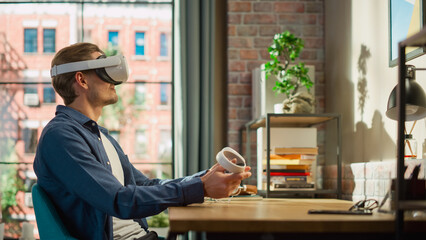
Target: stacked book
[(291, 167)]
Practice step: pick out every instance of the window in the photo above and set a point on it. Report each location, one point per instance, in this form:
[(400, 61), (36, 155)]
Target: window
[(164, 98), (115, 135), (113, 38), (30, 40), (30, 137), (140, 94), (163, 45), (140, 43), (49, 38), (141, 143), (31, 97), (49, 95), (165, 145)]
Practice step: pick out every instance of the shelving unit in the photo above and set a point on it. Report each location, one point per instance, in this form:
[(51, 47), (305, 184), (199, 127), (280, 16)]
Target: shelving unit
[(402, 204), (292, 120)]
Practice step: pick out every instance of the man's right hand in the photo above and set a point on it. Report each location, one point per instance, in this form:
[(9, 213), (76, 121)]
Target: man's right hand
[(218, 184)]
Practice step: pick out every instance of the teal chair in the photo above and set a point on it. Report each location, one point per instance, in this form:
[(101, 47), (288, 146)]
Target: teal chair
[(50, 226)]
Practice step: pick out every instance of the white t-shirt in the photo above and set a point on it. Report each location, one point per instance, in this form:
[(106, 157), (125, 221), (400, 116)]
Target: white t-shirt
[(122, 228)]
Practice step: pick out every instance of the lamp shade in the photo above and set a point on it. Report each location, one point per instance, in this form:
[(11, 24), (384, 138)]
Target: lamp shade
[(415, 102)]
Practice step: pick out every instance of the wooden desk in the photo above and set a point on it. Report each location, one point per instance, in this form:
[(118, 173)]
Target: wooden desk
[(273, 215)]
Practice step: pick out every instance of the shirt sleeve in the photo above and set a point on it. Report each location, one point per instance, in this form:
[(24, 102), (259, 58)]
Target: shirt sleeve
[(71, 161)]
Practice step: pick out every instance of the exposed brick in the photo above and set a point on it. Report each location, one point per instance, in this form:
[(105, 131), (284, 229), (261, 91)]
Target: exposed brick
[(247, 101), (244, 113), (235, 101), (308, 55), (239, 89), (309, 19), (290, 19), (248, 54), (313, 42), (237, 66), (254, 64), (232, 113), (239, 6), (247, 30), (269, 31), (264, 55), (295, 29), (234, 18), (262, 42), (309, 30), (232, 30), (233, 54), (235, 125), (245, 77), (234, 137), (240, 43), (259, 19), (314, 7), (233, 77), (292, 7), (262, 7)]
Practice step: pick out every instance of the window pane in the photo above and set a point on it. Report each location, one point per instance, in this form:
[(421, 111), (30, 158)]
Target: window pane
[(24, 117), (113, 38), (165, 146), (30, 139), (141, 143), (163, 45), (49, 95), (164, 93), (140, 43), (49, 38), (140, 94), (30, 40)]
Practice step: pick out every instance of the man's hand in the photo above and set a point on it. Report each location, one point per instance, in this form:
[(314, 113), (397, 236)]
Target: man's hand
[(218, 184)]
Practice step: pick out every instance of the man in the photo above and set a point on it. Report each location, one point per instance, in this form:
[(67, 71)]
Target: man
[(96, 190)]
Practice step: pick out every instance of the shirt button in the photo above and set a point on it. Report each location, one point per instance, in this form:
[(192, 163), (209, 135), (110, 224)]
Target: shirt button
[(93, 124), (108, 163), (99, 139)]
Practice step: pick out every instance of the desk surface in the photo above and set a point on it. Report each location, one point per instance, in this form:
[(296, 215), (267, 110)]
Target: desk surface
[(276, 215)]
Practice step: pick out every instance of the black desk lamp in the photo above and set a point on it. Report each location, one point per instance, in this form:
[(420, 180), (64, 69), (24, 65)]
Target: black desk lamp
[(415, 102)]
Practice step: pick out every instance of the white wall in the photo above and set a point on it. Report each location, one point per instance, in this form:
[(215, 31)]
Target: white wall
[(357, 31)]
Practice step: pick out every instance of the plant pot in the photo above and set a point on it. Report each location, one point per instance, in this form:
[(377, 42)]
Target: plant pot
[(301, 102)]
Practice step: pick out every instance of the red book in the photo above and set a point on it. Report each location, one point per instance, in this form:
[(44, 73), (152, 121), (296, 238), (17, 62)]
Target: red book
[(290, 174)]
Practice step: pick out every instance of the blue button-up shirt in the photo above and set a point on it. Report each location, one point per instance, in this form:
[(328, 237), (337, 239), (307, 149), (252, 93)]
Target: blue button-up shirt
[(73, 168)]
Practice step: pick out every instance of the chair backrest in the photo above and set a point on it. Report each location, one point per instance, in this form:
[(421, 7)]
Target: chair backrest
[(49, 224)]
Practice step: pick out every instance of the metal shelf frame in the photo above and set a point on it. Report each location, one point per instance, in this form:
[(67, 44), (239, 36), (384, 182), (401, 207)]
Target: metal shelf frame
[(293, 120), (417, 40)]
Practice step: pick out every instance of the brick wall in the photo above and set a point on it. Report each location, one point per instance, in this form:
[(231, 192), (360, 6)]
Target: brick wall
[(251, 27)]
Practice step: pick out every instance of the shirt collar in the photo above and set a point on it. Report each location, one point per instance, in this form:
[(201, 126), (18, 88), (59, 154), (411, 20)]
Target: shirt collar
[(80, 118)]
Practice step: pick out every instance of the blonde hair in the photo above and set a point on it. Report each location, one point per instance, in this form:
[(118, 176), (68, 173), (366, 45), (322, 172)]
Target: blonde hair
[(63, 83)]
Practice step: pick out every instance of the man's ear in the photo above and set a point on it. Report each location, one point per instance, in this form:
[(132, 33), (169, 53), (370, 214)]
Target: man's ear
[(80, 79)]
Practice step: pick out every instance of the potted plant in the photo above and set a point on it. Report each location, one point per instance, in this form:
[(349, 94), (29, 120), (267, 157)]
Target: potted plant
[(160, 224), (290, 78)]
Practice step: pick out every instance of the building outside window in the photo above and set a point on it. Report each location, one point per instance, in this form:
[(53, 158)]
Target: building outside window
[(31, 97), (113, 38), (163, 45), (165, 145), (164, 96), (49, 39), (141, 143), (140, 94), (140, 43), (30, 40), (49, 95), (28, 82), (30, 136)]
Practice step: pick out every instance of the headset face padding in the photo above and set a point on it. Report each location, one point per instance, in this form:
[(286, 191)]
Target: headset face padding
[(102, 74)]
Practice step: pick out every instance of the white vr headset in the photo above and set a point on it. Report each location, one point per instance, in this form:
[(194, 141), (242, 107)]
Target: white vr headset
[(112, 70)]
